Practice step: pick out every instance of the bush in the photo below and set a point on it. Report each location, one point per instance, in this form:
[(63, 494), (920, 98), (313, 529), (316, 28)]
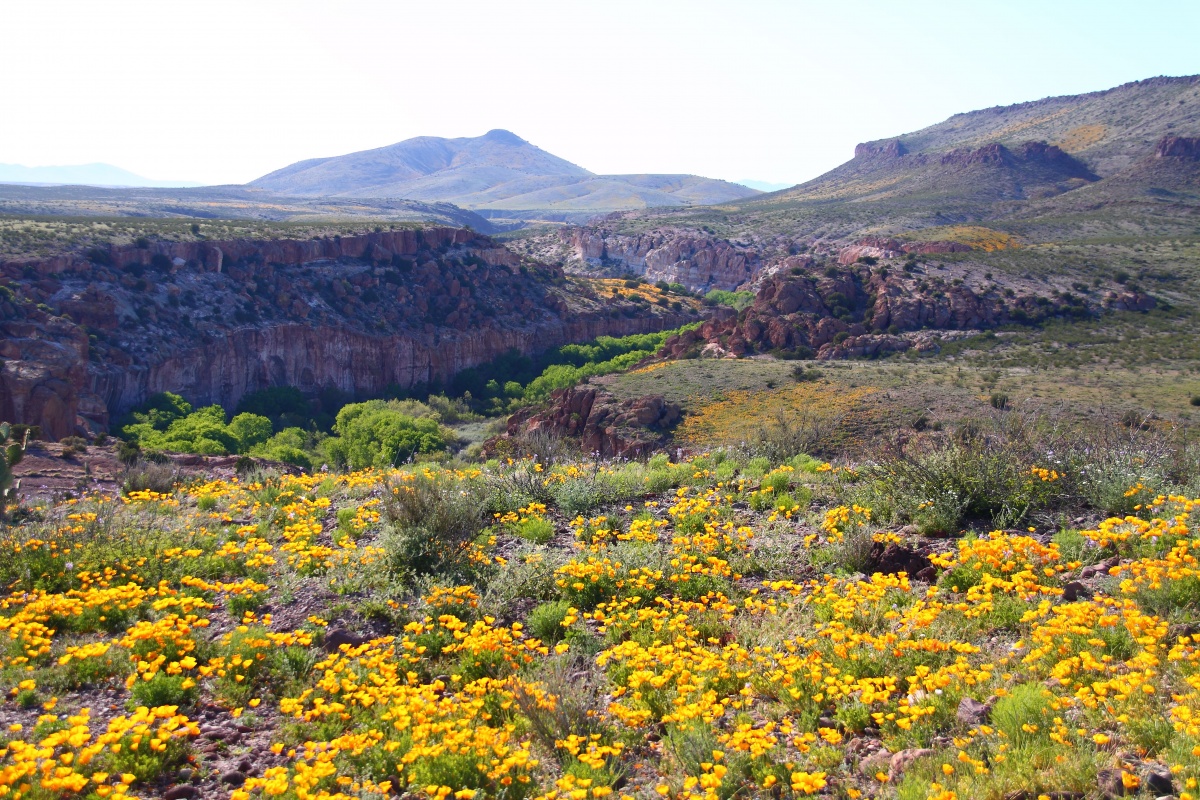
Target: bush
[(159, 478), (545, 621), (202, 431), (788, 434), (981, 473), (434, 520), (802, 374), (737, 300), (537, 530), (249, 430), (1025, 715), (290, 445), (164, 690), (128, 453), (378, 434)]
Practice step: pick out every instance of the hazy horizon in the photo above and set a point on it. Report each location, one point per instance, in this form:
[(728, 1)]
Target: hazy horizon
[(767, 92)]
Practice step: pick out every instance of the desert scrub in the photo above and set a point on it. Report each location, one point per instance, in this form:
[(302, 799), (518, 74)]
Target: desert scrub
[(941, 484), (435, 519)]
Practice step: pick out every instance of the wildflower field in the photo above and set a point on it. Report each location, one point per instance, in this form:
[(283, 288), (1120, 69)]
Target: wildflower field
[(723, 626)]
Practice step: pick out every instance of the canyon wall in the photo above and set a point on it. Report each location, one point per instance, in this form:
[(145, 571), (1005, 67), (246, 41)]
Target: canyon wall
[(87, 337), (698, 261)]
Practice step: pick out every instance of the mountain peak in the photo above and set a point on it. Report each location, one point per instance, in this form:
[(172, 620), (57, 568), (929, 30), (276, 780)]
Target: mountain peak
[(501, 136), (498, 171)]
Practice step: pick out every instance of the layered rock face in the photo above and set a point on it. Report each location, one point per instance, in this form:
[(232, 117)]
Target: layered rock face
[(697, 261), (1178, 147), (604, 425), (85, 339)]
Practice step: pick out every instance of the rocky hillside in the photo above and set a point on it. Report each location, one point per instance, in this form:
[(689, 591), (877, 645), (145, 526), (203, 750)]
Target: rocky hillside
[(497, 172), (86, 337), (1124, 162), (865, 310), (1108, 130)]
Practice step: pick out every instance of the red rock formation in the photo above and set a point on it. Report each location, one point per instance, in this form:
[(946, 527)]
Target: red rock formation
[(1178, 147), (1128, 301), (211, 256), (847, 315), (605, 426), (993, 153), (892, 149)]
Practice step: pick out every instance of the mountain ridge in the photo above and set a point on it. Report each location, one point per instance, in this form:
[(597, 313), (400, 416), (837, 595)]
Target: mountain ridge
[(498, 171), (94, 174)]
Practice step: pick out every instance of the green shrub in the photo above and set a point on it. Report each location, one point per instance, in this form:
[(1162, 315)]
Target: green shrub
[(737, 300), (290, 445), (941, 483), (434, 520), (378, 434), (545, 621), (249, 430), (164, 690), (1025, 715), (538, 530)]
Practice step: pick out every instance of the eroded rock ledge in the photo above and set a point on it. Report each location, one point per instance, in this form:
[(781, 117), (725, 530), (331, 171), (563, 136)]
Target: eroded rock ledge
[(604, 425)]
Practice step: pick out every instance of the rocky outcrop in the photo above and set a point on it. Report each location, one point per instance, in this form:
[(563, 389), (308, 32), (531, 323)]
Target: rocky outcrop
[(213, 255), (698, 261), (1128, 301), (864, 312), (1032, 153), (1178, 147), (893, 149), (880, 248), (604, 425), (84, 340)]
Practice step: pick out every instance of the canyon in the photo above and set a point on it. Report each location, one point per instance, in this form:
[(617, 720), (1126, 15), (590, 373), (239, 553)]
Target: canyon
[(88, 336)]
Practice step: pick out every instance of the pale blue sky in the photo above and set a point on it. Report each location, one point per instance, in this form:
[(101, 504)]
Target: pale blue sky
[(226, 90)]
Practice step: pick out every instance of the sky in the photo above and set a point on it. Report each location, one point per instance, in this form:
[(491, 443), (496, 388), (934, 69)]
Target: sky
[(222, 91)]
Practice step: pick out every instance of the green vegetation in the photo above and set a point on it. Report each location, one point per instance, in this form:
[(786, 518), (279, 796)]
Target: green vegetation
[(10, 455), (737, 300), (379, 434), (514, 380), (375, 433), (518, 604), (167, 422)]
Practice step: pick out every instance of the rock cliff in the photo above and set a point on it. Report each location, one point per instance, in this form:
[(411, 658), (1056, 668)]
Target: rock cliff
[(86, 337), (604, 425), (697, 260), (1178, 147)]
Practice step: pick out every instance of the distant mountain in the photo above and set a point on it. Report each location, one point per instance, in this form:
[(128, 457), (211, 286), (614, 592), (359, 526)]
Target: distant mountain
[(496, 172), (765, 186), (1081, 153), (81, 175)]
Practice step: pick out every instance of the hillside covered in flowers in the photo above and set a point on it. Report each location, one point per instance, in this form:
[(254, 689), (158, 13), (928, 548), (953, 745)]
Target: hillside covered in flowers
[(720, 627)]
